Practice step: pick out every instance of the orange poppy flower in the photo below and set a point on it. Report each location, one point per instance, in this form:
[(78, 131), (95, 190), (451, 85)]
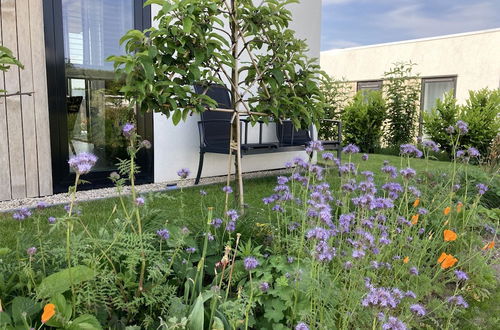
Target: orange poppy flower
[(416, 202), (48, 312), (459, 207), (449, 235), (447, 210), (489, 246), (447, 260), (406, 259), (414, 219)]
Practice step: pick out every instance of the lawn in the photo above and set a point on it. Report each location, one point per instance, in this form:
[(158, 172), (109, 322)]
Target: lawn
[(267, 236)]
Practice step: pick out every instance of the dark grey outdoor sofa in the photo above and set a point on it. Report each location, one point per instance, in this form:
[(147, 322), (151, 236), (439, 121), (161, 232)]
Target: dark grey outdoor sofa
[(215, 127)]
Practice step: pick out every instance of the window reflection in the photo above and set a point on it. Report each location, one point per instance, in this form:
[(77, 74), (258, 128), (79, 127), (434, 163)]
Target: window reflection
[(96, 108)]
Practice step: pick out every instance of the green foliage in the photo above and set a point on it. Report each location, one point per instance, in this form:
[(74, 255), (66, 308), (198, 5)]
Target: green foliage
[(402, 93), (336, 94), (481, 113), (61, 281), (362, 120), (7, 59), (193, 44)]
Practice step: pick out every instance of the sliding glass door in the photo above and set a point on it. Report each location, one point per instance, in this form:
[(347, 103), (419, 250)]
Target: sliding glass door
[(87, 109)]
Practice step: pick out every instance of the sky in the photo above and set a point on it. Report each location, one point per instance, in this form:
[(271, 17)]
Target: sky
[(351, 23)]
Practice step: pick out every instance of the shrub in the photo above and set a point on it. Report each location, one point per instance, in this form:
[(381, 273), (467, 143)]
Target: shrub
[(336, 94), (481, 113), (362, 120), (402, 91)]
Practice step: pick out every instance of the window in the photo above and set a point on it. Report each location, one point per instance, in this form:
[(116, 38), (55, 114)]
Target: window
[(434, 89), (375, 85)]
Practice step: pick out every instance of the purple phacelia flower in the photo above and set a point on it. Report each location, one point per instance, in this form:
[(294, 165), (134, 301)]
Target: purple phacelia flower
[(418, 309), (390, 170), (183, 173), (203, 192), (31, 251), (458, 301), (139, 201), (358, 254), (481, 188), (462, 126), (250, 263), (318, 233), (82, 163), (380, 297), (227, 189), (191, 250), (163, 234), (422, 211), (278, 208), (345, 222), (410, 294), (461, 275), (323, 252), (216, 222), (350, 149), (414, 191), (450, 129), (410, 150), (301, 326), (314, 146), (327, 156), (22, 214), (231, 226), (455, 187), (52, 220), (473, 152), (42, 205), (413, 271), (408, 173), (364, 157), (393, 323), (264, 286), (431, 145), (128, 129), (232, 214)]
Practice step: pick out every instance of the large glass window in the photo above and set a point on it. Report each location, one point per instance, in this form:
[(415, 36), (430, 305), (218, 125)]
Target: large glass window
[(434, 89), (96, 109)]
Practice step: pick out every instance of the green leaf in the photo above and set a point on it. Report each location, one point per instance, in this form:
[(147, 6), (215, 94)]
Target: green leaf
[(63, 311), (197, 317), (61, 281), (23, 305), (5, 319), (278, 75), (84, 322), (177, 116), (4, 251), (187, 24), (218, 324)]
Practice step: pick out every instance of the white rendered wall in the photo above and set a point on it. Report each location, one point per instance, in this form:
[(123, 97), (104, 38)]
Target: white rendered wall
[(473, 57), (178, 146)]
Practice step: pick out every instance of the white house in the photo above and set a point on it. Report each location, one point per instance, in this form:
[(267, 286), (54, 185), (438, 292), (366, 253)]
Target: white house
[(65, 101)]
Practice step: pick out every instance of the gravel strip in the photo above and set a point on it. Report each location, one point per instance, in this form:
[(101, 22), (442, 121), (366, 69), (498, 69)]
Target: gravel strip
[(93, 194)]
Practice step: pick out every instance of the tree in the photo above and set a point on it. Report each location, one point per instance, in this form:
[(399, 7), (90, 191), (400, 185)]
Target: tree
[(402, 91), (7, 59), (248, 46)]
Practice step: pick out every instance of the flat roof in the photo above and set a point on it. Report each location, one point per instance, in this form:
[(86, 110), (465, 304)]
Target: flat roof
[(446, 36)]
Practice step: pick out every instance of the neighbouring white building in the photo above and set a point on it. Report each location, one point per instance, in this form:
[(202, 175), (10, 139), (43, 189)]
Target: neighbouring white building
[(65, 98), (458, 62)]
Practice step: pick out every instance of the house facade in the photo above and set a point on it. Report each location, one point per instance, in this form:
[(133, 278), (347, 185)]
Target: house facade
[(67, 100), (457, 63)]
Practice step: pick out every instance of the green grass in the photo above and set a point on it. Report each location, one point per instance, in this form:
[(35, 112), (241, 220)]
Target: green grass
[(165, 206)]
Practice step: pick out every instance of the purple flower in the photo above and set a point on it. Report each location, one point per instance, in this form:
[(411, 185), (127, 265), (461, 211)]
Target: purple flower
[(431, 145), (264, 286), (22, 214), (358, 254), (191, 250), (128, 129), (233, 214), (250, 263), (410, 150), (216, 222), (82, 163), (301, 326), (139, 201), (462, 126), (227, 189), (460, 154), (364, 157), (380, 297), (345, 221), (450, 130), (393, 323), (414, 191), (408, 173), (146, 144), (327, 156), (163, 233), (31, 251), (457, 300), (413, 271), (350, 149), (52, 220), (314, 146), (290, 259), (461, 275), (318, 233), (42, 205), (418, 309), (183, 173), (473, 152), (323, 252), (422, 211), (203, 193), (410, 294), (481, 188), (231, 226), (390, 170)]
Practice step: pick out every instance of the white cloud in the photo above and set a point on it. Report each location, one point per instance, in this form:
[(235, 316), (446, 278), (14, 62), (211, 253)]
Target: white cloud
[(418, 21)]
